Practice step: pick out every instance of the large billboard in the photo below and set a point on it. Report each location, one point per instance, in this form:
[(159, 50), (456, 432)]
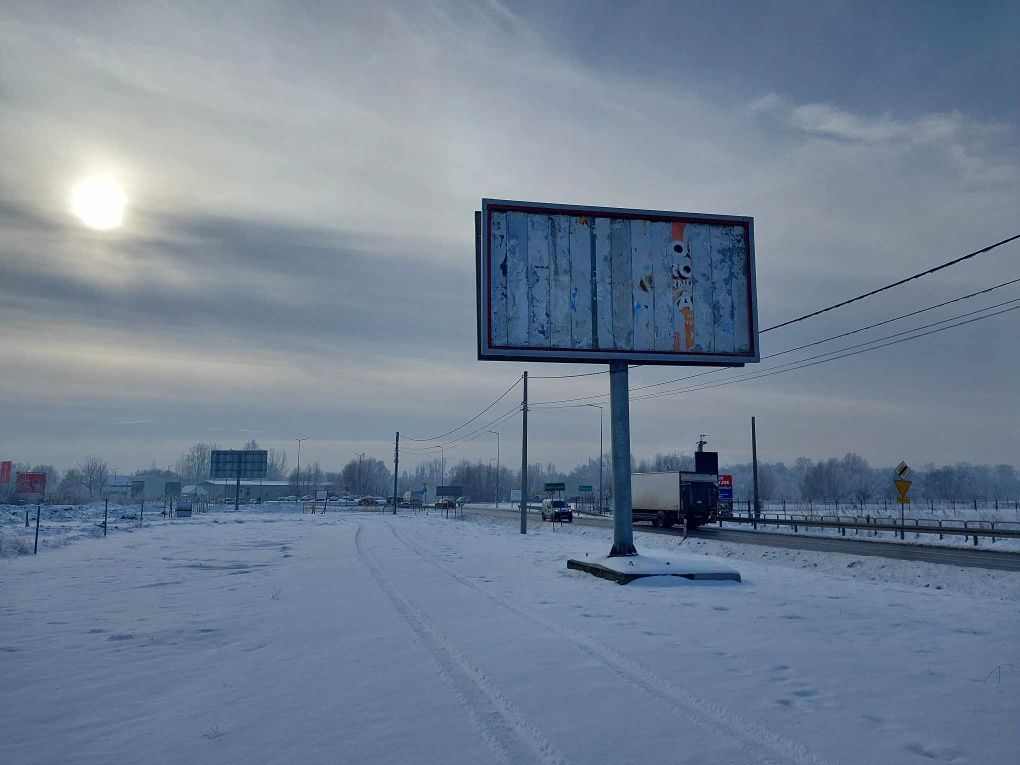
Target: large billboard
[(599, 284), (5, 472), (246, 464)]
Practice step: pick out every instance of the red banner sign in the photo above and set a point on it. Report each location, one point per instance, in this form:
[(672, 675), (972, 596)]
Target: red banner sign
[(5, 472), (31, 483), (725, 481)]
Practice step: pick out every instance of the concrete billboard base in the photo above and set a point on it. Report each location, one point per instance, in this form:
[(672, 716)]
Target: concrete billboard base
[(625, 569)]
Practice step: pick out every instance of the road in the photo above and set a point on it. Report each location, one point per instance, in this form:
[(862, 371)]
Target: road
[(952, 556)]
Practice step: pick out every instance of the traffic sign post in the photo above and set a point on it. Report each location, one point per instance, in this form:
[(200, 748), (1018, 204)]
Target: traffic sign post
[(902, 487)]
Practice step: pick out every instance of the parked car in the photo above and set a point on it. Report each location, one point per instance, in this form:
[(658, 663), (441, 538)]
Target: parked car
[(557, 510), (366, 502)]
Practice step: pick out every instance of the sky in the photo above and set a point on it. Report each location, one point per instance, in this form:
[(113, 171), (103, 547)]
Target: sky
[(297, 258)]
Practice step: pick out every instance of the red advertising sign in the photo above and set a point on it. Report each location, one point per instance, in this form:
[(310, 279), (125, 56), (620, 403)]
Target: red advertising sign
[(5, 472), (726, 487), (31, 483)]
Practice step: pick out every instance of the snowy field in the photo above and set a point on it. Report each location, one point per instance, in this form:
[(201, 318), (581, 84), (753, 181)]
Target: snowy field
[(277, 637)]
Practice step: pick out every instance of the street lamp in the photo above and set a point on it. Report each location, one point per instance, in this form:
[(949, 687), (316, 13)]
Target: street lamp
[(599, 407), (496, 433)]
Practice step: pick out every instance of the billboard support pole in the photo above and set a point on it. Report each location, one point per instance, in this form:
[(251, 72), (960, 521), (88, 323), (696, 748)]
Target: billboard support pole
[(524, 458), (396, 465), (237, 488), (619, 415), (38, 510)]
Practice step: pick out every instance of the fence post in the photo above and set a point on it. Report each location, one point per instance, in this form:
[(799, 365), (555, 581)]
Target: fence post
[(106, 515), (38, 510), (26, 517)]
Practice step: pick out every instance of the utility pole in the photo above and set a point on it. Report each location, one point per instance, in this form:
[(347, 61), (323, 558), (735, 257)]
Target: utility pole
[(396, 466), (298, 479), (702, 442), (524, 458), (754, 465), (601, 450), (442, 465), (496, 433)]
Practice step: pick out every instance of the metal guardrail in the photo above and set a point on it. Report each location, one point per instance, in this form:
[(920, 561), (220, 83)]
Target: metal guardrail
[(952, 527)]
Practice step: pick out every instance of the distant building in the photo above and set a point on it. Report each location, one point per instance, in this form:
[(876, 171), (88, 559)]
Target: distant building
[(223, 488)]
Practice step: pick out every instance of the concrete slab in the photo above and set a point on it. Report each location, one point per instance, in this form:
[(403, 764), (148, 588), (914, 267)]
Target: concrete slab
[(624, 570)]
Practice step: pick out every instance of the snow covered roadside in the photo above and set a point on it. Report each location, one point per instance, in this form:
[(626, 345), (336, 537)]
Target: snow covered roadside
[(255, 637)]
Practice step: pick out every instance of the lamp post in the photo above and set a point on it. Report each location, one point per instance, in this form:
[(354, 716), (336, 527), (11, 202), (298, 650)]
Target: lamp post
[(298, 481), (442, 465), (601, 495), (496, 433)]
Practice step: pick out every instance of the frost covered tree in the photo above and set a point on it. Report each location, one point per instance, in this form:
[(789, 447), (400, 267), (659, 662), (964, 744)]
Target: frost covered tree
[(94, 472)]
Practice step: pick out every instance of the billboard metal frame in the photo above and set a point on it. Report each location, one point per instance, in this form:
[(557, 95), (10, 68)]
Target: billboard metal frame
[(244, 464), (486, 351)]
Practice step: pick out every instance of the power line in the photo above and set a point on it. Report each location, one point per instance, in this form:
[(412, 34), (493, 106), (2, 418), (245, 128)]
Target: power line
[(812, 344), (460, 427), (953, 262), (580, 374), (799, 365), (467, 437), (897, 318)]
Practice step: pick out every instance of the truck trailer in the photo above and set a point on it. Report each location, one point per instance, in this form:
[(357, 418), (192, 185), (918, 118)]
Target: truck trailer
[(670, 498)]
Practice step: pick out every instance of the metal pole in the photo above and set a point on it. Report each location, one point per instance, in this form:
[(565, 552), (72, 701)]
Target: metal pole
[(38, 510), (396, 466), (496, 433), (619, 413), (524, 458), (298, 479), (106, 515), (601, 450), (141, 513), (754, 461), (237, 490)]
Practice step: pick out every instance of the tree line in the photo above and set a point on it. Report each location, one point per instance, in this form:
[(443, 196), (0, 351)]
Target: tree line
[(849, 479)]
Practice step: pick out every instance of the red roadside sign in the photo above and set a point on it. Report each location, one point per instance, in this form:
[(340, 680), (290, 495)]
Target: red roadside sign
[(31, 483)]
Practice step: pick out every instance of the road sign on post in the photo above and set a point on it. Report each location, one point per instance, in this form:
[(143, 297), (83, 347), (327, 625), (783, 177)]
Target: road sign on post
[(569, 283), (902, 487), (556, 486), (585, 489)]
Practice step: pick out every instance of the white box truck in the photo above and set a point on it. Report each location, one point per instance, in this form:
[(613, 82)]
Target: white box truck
[(667, 499)]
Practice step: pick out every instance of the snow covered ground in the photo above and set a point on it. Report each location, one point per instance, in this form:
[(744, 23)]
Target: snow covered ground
[(362, 637)]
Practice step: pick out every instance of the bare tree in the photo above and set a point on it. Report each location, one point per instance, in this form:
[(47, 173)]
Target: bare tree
[(193, 464), (95, 473), (366, 475), (277, 464)]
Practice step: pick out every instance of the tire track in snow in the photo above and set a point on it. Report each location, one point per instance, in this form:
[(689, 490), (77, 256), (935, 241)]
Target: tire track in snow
[(502, 725), (761, 743)]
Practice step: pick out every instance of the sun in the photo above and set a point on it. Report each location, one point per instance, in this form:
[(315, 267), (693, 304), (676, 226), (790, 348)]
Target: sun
[(99, 203)]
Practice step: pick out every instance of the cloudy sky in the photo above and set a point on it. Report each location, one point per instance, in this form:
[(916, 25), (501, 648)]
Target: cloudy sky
[(297, 251)]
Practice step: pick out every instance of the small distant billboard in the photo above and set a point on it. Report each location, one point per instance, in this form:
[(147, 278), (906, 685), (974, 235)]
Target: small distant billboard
[(172, 488), (244, 464), (5, 472), (137, 488), (556, 486), (449, 491), (31, 483), (585, 489)]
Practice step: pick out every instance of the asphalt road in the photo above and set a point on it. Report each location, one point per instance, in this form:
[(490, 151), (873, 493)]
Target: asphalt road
[(952, 556)]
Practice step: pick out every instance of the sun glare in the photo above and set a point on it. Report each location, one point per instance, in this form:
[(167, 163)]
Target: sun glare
[(99, 203)]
